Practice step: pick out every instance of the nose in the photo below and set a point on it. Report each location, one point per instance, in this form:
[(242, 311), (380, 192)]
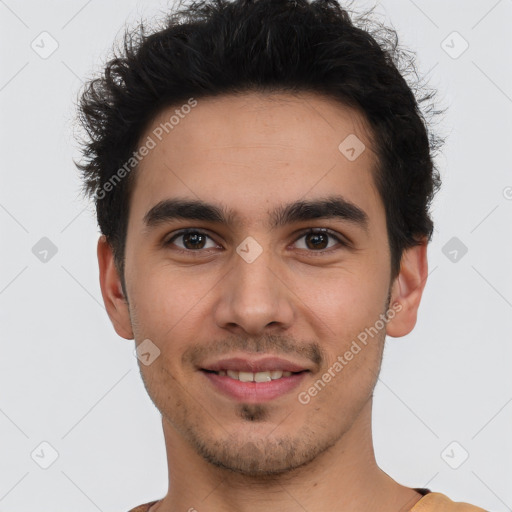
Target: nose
[(254, 298)]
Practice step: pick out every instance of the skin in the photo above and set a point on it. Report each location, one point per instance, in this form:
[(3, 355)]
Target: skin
[(252, 153)]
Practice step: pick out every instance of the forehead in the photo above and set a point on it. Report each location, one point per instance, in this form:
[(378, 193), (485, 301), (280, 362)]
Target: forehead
[(251, 150)]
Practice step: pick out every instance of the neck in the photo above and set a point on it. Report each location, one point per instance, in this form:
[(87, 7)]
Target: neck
[(345, 478)]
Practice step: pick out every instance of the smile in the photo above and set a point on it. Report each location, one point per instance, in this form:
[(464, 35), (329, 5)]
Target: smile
[(254, 377), (254, 387)]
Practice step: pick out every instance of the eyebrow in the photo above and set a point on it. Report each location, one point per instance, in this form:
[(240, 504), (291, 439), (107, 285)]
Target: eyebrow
[(332, 207)]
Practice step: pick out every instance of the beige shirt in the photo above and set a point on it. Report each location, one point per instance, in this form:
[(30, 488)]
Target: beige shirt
[(431, 502), (437, 502)]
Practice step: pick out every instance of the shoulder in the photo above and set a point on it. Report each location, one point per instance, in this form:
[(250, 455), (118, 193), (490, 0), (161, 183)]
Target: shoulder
[(435, 501), (143, 508)]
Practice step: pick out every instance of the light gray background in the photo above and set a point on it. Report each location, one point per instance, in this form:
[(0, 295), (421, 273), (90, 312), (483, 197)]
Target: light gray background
[(67, 379)]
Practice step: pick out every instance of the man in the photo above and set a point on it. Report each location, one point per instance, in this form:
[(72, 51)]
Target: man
[(262, 177)]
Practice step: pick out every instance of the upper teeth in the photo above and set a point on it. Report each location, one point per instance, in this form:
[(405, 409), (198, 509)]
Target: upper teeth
[(255, 377)]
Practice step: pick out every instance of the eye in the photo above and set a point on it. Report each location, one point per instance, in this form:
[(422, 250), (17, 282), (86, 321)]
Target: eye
[(192, 240), (317, 239)]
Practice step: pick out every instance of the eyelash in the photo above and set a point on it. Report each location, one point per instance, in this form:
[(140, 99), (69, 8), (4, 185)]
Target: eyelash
[(325, 231)]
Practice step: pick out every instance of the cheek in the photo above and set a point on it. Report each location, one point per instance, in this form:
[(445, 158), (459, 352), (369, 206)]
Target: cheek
[(345, 302), (342, 387), (166, 298), (351, 338), (353, 346)]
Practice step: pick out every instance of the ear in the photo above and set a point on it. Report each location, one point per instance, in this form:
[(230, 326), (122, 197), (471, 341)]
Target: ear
[(407, 290), (111, 290)]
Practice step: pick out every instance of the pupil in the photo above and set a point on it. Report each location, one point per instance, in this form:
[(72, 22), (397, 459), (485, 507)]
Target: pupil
[(194, 238), (316, 236)]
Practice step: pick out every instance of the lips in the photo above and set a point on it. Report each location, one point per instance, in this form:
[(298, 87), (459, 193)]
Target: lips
[(253, 392), (254, 380), (242, 364)]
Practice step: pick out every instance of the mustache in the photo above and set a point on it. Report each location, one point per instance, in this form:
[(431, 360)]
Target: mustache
[(269, 344)]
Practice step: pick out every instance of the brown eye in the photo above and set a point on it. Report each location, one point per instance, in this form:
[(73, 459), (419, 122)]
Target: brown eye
[(192, 240), (318, 240)]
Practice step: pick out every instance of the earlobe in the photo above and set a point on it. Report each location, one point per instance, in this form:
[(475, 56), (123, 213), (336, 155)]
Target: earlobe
[(407, 290), (111, 290)]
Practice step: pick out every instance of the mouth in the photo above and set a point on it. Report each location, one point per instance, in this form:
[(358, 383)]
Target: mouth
[(254, 381), (254, 377)]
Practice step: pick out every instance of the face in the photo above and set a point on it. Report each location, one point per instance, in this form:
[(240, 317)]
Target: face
[(256, 256)]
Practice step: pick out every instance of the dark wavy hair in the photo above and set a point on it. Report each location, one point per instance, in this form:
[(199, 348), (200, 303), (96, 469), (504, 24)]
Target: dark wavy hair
[(221, 47)]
